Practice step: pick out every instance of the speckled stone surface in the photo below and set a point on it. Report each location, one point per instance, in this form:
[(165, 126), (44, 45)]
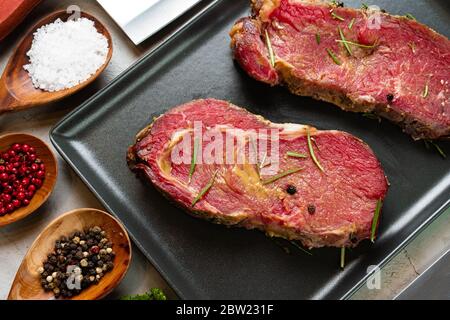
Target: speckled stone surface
[(70, 193)]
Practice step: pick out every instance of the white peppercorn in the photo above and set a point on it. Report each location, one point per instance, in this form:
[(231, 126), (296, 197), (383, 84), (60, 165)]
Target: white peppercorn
[(84, 263), (49, 279)]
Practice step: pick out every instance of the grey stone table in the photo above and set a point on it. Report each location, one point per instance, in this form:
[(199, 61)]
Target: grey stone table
[(70, 193)]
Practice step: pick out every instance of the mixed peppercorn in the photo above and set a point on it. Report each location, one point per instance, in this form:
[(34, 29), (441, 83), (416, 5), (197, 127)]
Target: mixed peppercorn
[(22, 173), (77, 262)]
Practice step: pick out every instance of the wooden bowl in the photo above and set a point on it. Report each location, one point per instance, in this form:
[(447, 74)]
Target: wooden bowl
[(44, 152), (16, 88), (26, 285)]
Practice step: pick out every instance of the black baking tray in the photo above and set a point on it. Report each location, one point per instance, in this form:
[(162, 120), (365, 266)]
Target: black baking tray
[(201, 260)]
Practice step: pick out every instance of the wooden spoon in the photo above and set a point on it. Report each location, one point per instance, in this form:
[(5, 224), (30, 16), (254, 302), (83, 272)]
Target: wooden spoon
[(51, 169), (27, 286), (16, 88)]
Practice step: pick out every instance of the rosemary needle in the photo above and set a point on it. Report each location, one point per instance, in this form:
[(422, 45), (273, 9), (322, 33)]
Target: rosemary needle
[(334, 57), (311, 151), (350, 26), (205, 189), (296, 154), (376, 217), (344, 41), (193, 159), (281, 175), (342, 257), (269, 47)]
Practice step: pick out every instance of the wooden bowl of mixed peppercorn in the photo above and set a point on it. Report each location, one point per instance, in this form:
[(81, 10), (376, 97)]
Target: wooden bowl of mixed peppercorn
[(82, 255)]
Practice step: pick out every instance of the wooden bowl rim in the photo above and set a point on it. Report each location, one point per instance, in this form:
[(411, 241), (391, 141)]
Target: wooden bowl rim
[(51, 185)]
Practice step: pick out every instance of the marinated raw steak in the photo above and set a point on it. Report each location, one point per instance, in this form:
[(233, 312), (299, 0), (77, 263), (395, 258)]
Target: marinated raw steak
[(360, 60), (327, 202)]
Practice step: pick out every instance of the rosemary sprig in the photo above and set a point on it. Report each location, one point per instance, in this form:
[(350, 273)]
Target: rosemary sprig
[(350, 25), (344, 41), (311, 151), (193, 159), (342, 257), (376, 217), (334, 57), (318, 38), (357, 44), (269, 47), (410, 16), (205, 189), (425, 91), (336, 16), (364, 6), (295, 244), (281, 175), (296, 154)]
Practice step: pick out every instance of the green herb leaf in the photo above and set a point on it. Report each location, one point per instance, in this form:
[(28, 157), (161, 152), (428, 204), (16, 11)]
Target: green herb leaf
[(311, 151), (194, 158), (342, 257), (376, 216), (410, 16), (295, 244), (350, 26), (344, 41), (318, 38), (364, 6), (357, 44), (335, 16), (269, 47), (281, 175), (334, 57), (296, 154), (153, 294), (205, 189)]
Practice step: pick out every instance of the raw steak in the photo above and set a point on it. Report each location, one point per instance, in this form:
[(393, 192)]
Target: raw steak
[(394, 66), (333, 207)]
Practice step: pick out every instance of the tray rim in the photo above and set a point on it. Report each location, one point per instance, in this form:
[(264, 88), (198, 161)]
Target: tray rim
[(438, 260), (53, 136)]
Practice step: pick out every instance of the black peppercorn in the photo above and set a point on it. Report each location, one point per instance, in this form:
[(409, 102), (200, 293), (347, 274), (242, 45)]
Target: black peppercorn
[(311, 209), (390, 97), (291, 190)]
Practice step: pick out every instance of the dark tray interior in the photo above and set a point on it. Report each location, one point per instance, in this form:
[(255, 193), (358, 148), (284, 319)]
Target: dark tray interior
[(201, 260)]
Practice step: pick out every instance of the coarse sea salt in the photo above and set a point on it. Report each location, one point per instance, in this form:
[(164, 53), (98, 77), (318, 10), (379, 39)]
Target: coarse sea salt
[(65, 54)]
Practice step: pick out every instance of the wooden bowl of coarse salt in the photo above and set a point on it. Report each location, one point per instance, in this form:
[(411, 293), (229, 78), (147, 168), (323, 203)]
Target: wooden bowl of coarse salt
[(58, 57)]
